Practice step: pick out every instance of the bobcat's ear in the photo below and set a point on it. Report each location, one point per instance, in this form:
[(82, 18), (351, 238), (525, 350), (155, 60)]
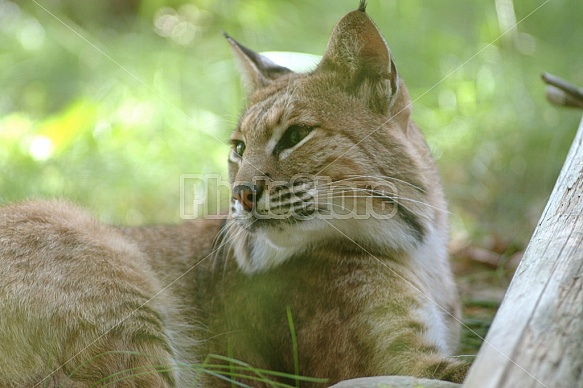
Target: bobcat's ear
[(358, 52), (256, 70)]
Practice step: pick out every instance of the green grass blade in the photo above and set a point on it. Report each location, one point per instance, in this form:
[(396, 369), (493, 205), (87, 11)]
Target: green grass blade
[(294, 345)]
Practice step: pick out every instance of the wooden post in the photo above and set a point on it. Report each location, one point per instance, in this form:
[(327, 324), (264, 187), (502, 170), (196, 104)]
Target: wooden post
[(536, 338)]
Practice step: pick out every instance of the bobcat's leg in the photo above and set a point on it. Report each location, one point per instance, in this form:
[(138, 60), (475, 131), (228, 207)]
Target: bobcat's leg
[(134, 354), (79, 304)]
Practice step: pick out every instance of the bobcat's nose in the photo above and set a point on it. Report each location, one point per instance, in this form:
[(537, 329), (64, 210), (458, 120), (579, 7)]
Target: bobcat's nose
[(247, 195)]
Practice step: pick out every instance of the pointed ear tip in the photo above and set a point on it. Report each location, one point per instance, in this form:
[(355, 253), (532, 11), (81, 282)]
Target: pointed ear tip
[(228, 37), (357, 14), (233, 43)]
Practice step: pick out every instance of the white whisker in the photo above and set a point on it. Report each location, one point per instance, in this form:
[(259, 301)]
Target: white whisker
[(352, 178), (424, 204), (375, 194)]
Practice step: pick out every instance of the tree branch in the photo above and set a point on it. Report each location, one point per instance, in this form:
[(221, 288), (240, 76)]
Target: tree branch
[(561, 92)]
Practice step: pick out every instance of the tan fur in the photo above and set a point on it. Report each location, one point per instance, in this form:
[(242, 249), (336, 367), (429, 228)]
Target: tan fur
[(367, 295), (73, 289)]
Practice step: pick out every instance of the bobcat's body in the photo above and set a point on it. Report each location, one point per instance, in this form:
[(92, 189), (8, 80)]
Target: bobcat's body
[(338, 224)]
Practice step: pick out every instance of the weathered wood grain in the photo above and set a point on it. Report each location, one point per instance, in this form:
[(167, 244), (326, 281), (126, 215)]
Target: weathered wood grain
[(536, 339)]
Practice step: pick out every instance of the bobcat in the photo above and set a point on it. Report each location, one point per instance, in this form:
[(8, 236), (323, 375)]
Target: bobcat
[(332, 262)]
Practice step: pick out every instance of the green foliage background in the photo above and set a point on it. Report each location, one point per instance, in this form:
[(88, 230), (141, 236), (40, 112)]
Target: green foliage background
[(108, 102)]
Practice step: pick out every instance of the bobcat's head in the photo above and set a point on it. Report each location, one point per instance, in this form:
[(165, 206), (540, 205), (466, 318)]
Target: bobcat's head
[(329, 156)]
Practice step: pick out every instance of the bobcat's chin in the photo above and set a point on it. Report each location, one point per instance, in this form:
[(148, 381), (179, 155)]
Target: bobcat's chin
[(269, 242), (281, 232)]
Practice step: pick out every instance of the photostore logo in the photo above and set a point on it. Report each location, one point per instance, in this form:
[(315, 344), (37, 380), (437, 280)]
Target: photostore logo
[(303, 197)]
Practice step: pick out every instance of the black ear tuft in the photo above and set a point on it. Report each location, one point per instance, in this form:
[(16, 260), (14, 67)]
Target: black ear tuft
[(362, 6), (256, 70)]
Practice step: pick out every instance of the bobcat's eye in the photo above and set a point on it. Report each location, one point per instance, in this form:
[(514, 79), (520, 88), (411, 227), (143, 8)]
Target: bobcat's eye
[(239, 147), (292, 137)]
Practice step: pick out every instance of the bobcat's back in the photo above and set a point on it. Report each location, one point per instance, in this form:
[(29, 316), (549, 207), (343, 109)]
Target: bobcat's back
[(77, 302)]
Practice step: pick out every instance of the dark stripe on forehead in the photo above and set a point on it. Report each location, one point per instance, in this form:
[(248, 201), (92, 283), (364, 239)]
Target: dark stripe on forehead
[(264, 114)]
